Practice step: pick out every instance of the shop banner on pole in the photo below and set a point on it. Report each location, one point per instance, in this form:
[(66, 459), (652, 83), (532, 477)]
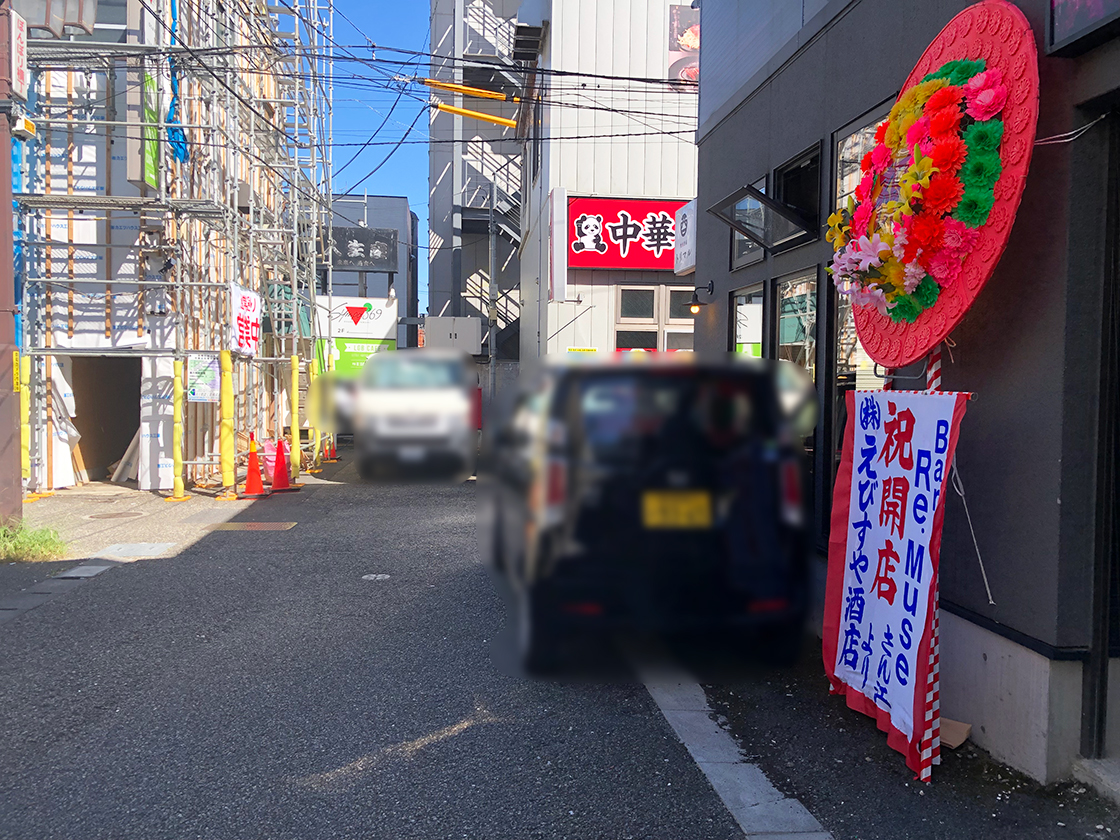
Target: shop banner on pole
[(245, 331), (883, 558)]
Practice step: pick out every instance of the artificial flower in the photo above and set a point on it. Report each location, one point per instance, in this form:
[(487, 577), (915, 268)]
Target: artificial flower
[(984, 136), (865, 163), (880, 158), (870, 297), (861, 219), (919, 172), (912, 276), (945, 123), (865, 186), (957, 72), (958, 239), (871, 251), (945, 268), (948, 155), (986, 95), (918, 132), (975, 206), (926, 231), (947, 97), (836, 230), (927, 293), (894, 274), (881, 132), (981, 169), (905, 308), (942, 195)]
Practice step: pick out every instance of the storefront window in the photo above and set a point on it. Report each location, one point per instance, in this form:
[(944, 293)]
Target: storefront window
[(849, 152), (679, 302), (748, 322), (797, 320), (635, 340), (637, 304)]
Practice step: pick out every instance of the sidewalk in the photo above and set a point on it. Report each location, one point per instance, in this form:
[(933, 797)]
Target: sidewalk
[(120, 524), (837, 763)]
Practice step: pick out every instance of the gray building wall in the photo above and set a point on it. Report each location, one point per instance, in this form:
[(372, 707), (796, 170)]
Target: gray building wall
[(1030, 347)]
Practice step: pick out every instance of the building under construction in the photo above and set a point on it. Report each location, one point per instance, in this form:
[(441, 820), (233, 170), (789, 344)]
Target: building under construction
[(180, 171)]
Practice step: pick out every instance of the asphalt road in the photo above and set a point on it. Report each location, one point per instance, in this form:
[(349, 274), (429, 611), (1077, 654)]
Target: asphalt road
[(254, 685)]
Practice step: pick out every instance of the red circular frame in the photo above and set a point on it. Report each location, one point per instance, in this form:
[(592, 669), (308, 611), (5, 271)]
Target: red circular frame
[(997, 32)]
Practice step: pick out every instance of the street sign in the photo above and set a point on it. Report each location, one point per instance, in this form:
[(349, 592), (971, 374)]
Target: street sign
[(245, 330), (18, 54), (203, 378)]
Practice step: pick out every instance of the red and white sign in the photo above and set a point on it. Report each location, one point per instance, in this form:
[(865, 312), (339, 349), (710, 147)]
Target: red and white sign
[(245, 328), (622, 233), (18, 48), (880, 622)]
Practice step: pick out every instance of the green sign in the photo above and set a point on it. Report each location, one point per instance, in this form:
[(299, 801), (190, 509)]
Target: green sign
[(203, 377), (351, 354), (752, 350), (150, 132)]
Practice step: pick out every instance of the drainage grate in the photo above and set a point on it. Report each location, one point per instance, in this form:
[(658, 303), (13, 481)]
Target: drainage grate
[(251, 526), (119, 514)]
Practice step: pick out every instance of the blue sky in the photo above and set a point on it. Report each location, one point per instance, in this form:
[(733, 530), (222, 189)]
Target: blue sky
[(361, 106)]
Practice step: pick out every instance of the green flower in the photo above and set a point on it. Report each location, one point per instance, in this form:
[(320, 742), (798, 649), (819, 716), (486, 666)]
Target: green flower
[(927, 292), (984, 136), (981, 170), (957, 72), (905, 308), (975, 206)]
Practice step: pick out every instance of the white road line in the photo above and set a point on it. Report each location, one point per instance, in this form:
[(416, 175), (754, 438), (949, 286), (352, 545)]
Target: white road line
[(762, 811)]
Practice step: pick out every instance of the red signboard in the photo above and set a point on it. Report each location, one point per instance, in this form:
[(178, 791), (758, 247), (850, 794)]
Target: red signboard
[(622, 233)]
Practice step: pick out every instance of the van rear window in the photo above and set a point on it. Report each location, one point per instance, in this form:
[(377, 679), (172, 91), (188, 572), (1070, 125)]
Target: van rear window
[(625, 416)]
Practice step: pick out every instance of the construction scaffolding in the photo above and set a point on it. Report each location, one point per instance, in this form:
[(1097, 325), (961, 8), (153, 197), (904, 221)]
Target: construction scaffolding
[(174, 168)]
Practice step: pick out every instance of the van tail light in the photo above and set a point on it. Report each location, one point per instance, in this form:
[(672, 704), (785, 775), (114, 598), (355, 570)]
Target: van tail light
[(793, 511), (556, 491)]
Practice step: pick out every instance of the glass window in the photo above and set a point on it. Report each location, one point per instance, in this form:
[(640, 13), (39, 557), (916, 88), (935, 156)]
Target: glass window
[(678, 341), (637, 304), (748, 322), (744, 250), (850, 150), (635, 340), (797, 321), (679, 302), (797, 184)]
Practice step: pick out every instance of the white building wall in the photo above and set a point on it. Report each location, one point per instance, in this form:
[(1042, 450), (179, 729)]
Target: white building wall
[(655, 156)]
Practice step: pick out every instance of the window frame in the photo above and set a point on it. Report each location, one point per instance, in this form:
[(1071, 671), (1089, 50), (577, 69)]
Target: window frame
[(653, 320), (758, 253), (813, 225)]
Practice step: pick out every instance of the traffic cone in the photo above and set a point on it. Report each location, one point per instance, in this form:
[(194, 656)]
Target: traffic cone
[(281, 483), (254, 487), (331, 455)]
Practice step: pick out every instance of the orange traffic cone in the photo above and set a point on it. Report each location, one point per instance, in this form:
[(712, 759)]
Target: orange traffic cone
[(254, 487), (281, 483), (332, 453)]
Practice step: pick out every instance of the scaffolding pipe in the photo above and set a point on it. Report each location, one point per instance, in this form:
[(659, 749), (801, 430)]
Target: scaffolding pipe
[(178, 487), (295, 447), (225, 439)]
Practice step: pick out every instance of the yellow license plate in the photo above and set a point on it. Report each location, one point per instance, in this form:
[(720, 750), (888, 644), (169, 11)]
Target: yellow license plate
[(677, 509)]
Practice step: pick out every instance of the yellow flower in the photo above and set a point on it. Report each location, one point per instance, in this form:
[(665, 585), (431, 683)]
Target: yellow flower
[(893, 274), (918, 174), (837, 228)]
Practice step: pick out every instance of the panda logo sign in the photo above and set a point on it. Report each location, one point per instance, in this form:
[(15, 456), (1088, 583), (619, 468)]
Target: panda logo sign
[(589, 234)]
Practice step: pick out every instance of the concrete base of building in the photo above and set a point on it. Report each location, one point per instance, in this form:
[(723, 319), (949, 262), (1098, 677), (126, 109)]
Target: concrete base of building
[(1102, 775), (1024, 709)]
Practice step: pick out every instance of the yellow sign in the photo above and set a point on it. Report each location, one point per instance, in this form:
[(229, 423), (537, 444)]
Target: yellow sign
[(677, 509)]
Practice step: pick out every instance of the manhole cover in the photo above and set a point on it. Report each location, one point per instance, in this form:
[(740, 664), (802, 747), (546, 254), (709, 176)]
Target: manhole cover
[(375, 577), (251, 526), (117, 514)]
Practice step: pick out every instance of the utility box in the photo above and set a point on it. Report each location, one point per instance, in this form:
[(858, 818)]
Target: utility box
[(454, 333)]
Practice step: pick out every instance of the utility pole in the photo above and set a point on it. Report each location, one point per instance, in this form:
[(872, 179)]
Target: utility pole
[(492, 307), (11, 484)]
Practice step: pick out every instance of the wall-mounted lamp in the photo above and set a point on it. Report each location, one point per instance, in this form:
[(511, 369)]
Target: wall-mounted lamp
[(694, 306)]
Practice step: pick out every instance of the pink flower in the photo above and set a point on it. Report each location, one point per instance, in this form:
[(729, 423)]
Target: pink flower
[(945, 268), (861, 218), (865, 186), (880, 157), (918, 132), (870, 297), (913, 274), (870, 252), (986, 94), (958, 238)]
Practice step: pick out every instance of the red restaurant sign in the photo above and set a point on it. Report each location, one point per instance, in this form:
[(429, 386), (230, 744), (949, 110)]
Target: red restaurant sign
[(622, 233)]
